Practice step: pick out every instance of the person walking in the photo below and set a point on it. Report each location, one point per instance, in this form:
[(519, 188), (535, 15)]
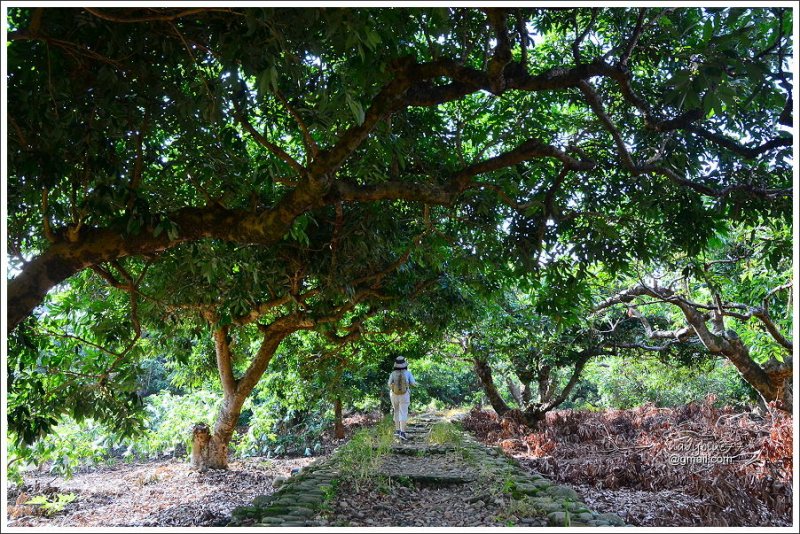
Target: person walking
[(400, 382)]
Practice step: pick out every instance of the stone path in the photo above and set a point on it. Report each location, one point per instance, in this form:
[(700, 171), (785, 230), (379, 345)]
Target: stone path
[(441, 477)]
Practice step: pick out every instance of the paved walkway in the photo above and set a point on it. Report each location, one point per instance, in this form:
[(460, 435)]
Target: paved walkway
[(441, 476)]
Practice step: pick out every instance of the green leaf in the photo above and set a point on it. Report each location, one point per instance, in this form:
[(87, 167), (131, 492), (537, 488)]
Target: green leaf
[(712, 105), (134, 225), (708, 30), (355, 108), (679, 79), (172, 231), (265, 82), (373, 38), (273, 78)]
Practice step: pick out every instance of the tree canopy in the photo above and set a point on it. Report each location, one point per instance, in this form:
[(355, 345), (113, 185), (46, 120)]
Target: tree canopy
[(615, 132)]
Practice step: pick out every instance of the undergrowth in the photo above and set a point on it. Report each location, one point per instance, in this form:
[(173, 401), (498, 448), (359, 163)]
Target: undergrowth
[(445, 433), (362, 455)]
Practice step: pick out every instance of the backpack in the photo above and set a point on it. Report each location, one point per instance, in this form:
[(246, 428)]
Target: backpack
[(398, 382)]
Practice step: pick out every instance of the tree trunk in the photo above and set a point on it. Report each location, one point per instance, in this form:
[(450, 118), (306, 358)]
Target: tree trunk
[(773, 381), (526, 393), (484, 372), (210, 450), (516, 393), (338, 425), (92, 246), (780, 375), (787, 396), (535, 413), (545, 387)]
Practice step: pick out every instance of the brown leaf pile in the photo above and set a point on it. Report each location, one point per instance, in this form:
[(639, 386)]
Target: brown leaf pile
[(737, 467)]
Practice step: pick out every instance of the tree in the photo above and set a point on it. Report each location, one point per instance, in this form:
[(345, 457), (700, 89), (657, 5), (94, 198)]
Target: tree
[(168, 126), (81, 358), (533, 349), (241, 303), (724, 304), (301, 288)]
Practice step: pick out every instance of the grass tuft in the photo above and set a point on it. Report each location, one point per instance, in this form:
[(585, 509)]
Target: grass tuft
[(444, 433), (362, 455)]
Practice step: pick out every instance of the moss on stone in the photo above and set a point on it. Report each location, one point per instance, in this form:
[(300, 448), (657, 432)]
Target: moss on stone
[(563, 492)]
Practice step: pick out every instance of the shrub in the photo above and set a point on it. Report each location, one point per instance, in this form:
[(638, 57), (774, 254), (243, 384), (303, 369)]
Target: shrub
[(87, 443), (623, 383), (170, 420)]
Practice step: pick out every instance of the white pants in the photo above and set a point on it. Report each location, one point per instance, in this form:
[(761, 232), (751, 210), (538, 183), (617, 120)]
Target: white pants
[(400, 407)]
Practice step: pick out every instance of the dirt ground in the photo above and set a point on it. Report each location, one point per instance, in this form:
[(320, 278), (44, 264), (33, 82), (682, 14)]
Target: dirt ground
[(157, 493), (627, 479), (162, 493)]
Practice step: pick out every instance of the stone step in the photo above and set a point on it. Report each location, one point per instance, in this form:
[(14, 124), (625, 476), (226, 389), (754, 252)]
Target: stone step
[(431, 479), (412, 450), (308, 500)]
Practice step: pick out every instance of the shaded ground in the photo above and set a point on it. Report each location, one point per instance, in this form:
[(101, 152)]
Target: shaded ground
[(738, 470), (617, 461), (437, 490), (159, 492), (449, 506), (440, 478)]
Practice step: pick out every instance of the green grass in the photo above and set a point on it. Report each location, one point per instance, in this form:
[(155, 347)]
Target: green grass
[(330, 492), (523, 507), (444, 433), (359, 458), (57, 504)]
